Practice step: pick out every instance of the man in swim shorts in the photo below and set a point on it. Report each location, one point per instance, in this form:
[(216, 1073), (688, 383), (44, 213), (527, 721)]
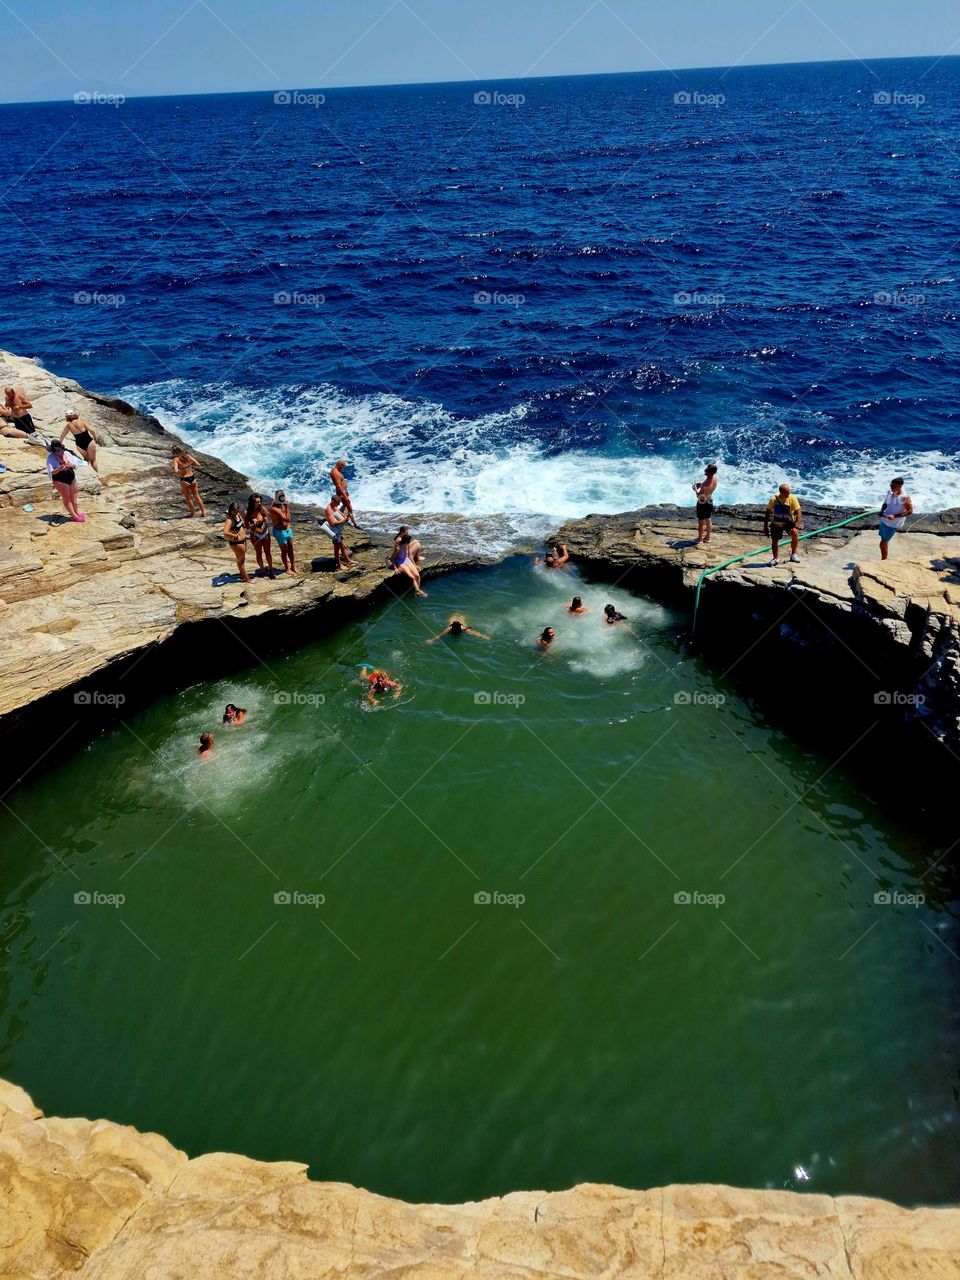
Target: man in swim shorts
[(705, 489), (280, 518), (897, 505), (782, 518), (340, 484)]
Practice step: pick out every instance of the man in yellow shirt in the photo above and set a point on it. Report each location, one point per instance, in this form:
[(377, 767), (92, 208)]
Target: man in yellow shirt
[(782, 517)]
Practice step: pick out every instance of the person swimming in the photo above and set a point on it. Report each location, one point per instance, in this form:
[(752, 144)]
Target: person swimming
[(611, 616), (458, 627), (379, 682), (576, 606), (206, 745), (234, 715), (546, 637), (556, 557)]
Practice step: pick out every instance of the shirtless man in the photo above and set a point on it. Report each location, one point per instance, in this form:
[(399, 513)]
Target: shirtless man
[(335, 517), (705, 489), (84, 438), (280, 518), (16, 415), (556, 557), (340, 484)]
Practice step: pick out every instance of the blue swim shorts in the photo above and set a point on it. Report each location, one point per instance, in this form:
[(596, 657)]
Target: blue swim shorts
[(887, 531)]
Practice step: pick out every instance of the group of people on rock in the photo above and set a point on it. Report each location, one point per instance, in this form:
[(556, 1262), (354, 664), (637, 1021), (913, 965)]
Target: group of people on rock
[(16, 422), (255, 525), (783, 518)]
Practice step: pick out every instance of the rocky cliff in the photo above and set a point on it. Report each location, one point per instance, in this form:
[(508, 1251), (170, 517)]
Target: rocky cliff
[(100, 1201)]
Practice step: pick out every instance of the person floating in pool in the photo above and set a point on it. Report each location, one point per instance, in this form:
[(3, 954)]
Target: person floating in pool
[(234, 715), (379, 683), (576, 605), (611, 617), (556, 557), (897, 505), (458, 627), (205, 749), (280, 517), (546, 638)]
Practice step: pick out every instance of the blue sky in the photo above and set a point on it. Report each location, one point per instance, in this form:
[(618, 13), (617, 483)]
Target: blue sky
[(55, 48)]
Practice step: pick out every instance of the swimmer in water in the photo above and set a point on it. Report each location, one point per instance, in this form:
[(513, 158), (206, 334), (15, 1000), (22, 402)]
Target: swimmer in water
[(458, 627), (234, 715), (611, 617), (556, 557), (205, 748), (576, 605), (546, 637), (379, 682)]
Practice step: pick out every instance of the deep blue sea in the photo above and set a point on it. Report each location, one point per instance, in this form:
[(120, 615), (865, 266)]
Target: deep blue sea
[(546, 296)]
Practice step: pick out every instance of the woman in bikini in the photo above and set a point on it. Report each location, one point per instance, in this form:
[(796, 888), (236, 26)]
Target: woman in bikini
[(60, 468), (259, 528), (183, 464), (236, 535), (83, 437), (457, 626)]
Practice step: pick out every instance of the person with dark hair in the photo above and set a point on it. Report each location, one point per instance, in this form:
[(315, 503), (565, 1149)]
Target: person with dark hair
[(546, 637), (705, 489), (611, 617), (897, 505), (403, 562), (233, 714), (379, 682), (183, 465), (236, 534), (457, 626), (335, 517), (258, 526), (280, 516), (61, 468), (782, 518), (556, 557), (205, 749), (576, 605)]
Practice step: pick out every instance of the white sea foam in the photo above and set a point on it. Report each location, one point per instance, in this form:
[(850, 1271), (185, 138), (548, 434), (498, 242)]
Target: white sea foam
[(415, 456)]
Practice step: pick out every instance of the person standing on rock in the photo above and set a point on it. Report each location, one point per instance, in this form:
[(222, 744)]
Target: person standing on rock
[(897, 505), (258, 526), (16, 410), (705, 489), (280, 516), (782, 519), (236, 534), (83, 437), (340, 484), (335, 517), (183, 465), (61, 470)]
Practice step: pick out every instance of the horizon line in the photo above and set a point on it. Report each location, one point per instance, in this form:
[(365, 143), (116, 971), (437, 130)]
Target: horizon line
[(521, 79)]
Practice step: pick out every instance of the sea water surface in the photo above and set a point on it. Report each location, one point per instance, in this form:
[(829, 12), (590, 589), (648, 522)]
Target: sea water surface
[(542, 297), (543, 919)]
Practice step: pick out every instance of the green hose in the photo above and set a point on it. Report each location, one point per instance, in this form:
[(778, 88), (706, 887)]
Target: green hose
[(759, 552)]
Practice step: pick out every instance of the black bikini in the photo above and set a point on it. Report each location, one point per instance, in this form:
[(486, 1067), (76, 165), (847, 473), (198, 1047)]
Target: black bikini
[(83, 438)]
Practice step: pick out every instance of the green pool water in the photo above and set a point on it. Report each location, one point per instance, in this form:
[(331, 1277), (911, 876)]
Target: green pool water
[(503, 985)]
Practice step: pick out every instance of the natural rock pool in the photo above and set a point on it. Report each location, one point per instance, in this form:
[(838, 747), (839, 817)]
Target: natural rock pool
[(585, 917)]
